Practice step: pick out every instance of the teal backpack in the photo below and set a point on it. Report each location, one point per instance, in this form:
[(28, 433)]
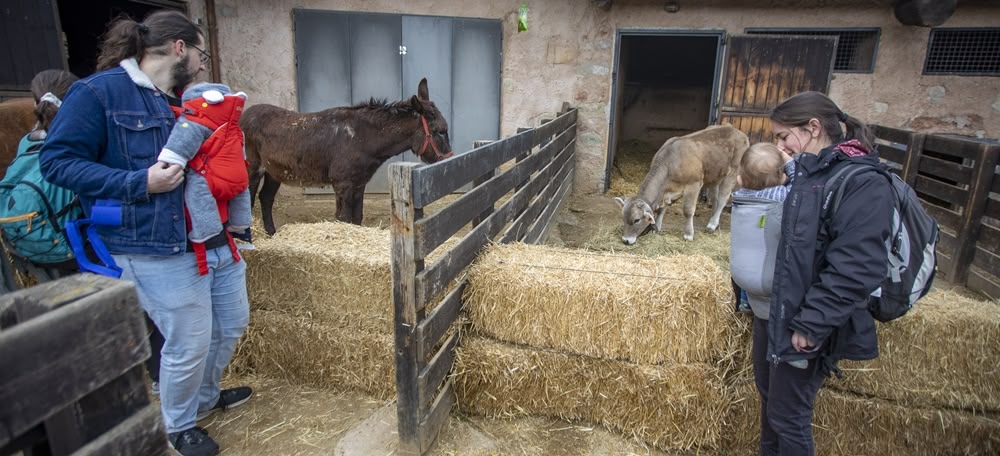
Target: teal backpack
[(33, 212)]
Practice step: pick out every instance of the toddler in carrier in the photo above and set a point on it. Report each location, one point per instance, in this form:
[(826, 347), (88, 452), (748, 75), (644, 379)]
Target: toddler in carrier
[(765, 177)]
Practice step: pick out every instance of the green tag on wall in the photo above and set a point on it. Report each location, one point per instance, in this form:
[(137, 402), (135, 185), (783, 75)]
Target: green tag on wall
[(522, 19), (762, 222)]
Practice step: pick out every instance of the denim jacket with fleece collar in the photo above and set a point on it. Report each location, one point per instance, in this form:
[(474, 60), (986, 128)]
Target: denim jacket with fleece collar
[(109, 131), (821, 286)]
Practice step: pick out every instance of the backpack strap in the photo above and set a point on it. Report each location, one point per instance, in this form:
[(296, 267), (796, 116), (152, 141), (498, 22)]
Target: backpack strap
[(833, 192)]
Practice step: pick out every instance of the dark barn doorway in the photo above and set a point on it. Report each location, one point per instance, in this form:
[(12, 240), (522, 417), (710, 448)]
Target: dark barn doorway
[(61, 34), (84, 23), (665, 86)]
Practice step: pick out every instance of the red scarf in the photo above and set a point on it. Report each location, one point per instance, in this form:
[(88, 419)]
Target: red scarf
[(852, 148)]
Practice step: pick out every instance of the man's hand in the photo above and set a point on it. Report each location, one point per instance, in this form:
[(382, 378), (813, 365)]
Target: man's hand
[(163, 177)]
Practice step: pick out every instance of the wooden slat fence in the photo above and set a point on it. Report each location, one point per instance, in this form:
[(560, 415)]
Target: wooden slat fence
[(518, 185), (72, 379), (957, 181)]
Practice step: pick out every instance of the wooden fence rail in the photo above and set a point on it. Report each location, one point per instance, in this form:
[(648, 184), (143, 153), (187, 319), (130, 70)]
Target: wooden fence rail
[(956, 179), (72, 378), (518, 185)]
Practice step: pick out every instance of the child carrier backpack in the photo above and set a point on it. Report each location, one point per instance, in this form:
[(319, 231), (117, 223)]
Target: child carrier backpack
[(912, 260), (33, 212)]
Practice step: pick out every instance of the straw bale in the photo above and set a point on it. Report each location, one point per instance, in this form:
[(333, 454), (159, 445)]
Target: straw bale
[(646, 310), (331, 272), (847, 424), (668, 406), (311, 352), (941, 354)]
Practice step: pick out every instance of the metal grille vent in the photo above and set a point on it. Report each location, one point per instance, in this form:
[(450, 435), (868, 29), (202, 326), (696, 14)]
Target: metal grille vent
[(856, 48), (963, 51)]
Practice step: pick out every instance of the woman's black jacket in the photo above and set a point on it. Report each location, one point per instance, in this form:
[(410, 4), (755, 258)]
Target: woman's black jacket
[(821, 286)]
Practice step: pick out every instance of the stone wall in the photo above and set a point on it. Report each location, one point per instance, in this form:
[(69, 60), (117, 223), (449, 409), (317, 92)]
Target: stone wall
[(568, 55)]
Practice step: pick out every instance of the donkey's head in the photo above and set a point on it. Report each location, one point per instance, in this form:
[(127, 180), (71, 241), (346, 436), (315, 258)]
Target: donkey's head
[(430, 141)]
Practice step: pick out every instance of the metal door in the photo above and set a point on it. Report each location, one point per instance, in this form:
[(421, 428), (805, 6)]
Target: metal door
[(346, 58), (475, 84), (763, 70)]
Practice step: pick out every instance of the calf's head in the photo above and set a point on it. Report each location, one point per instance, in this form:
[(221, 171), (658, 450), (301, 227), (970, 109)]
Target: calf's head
[(637, 217)]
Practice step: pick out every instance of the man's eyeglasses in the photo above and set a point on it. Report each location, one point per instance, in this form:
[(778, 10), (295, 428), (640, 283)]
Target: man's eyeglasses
[(205, 57)]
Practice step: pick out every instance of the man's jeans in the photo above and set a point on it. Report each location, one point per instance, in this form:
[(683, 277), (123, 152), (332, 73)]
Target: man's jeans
[(201, 317)]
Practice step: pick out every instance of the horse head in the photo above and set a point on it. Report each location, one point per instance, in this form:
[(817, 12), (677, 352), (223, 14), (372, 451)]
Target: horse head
[(430, 141)]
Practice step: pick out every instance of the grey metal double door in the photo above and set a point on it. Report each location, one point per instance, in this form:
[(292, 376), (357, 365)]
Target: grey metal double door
[(344, 58)]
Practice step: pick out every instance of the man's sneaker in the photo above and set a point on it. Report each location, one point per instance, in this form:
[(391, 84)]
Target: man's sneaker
[(155, 388), (193, 442), (228, 399)]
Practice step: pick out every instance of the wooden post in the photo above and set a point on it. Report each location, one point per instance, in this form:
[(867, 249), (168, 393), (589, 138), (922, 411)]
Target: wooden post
[(480, 180), (914, 150), (404, 299), (972, 217)]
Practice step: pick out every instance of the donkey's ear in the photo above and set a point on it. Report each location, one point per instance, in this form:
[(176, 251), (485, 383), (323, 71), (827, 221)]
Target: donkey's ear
[(417, 105), (422, 90)]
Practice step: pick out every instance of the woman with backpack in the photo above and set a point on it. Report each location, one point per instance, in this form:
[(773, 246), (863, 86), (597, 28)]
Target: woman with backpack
[(34, 212), (825, 269)]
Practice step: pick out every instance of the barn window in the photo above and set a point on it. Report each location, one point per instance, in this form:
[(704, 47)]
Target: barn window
[(963, 52), (856, 47)]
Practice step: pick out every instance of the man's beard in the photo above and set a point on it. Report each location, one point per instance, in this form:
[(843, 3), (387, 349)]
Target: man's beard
[(182, 77)]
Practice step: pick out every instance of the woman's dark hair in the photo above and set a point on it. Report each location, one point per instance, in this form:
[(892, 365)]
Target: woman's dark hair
[(797, 110), (127, 38), (57, 83)]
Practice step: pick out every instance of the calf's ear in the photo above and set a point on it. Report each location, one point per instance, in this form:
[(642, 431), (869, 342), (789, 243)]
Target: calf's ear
[(621, 202), (647, 215)]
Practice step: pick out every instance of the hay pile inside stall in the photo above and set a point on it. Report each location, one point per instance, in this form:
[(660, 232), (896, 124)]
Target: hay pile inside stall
[(846, 424), (943, 354), (321, 308), (632, 161), (669, 406), (645, 310)]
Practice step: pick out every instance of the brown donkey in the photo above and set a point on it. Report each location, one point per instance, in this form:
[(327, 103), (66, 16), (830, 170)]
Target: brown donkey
[(342, 147)]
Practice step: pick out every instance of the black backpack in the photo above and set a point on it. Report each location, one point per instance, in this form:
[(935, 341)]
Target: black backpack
[(912, 259)]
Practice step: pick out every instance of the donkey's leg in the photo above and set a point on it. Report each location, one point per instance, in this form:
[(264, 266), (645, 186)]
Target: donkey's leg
[(345, 203), (255, 178), (722, 192), (691, 195), (357, 213), (267, 192)]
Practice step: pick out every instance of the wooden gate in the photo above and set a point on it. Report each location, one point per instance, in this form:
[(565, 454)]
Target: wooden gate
[(762, 70), (72, 378), (958, 183), (508, 202)]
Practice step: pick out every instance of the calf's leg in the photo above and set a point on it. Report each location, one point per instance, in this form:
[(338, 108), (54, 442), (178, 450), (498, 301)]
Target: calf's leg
[(691, 193), (722, 192)]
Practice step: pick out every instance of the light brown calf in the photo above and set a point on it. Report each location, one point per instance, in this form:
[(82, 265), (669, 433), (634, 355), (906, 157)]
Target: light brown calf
[(710, 157)]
